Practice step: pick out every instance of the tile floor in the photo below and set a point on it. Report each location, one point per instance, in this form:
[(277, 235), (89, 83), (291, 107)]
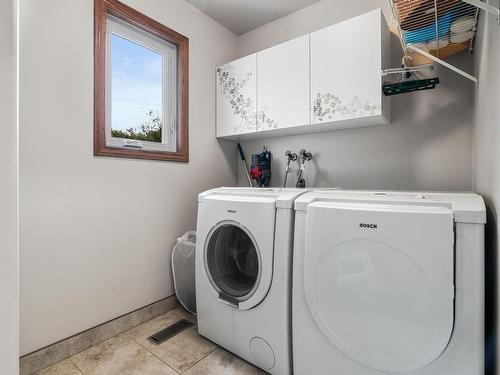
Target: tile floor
[(131, 353)]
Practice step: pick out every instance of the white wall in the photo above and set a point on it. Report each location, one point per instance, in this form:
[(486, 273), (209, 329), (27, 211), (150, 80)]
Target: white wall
[(9, 342), (428, 145), (96, 233), (487, 159)]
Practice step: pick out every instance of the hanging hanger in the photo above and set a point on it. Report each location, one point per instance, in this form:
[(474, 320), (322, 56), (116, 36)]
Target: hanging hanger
[(407, 79)]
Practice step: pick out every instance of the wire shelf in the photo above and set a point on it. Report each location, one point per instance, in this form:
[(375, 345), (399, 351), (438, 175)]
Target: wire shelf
[(442, 28)]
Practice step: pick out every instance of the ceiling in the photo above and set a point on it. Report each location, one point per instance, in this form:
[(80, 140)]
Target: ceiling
[(241, 16)]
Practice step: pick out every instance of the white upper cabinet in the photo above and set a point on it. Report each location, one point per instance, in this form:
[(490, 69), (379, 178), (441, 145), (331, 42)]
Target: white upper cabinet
[(237, 97), (283, 85), (330, 79), (346, 63)]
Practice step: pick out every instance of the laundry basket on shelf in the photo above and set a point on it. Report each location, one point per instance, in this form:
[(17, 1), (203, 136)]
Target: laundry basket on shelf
[(183, 270)]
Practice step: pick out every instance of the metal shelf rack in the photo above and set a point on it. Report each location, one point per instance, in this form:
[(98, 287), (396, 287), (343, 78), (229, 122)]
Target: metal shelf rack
[(433, 30)]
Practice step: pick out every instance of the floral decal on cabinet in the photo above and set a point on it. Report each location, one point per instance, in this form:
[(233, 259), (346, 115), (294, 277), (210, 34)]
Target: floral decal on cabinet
[(242, 107), (330, 107), (265, 121)]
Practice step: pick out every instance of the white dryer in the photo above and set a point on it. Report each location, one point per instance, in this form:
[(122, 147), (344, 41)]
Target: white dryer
[(388, 282), (243, 273)]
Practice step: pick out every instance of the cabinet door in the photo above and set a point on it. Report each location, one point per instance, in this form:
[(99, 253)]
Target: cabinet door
[(283, 85), (346, 70), (237, 97)]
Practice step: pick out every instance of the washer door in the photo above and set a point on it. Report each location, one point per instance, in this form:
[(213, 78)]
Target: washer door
[(236, 243), (379, 281), (233, 262)]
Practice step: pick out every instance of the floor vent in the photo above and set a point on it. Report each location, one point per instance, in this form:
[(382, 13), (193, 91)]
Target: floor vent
[(170, 331)]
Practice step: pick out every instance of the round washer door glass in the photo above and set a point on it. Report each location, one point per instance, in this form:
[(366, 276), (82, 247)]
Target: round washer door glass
[(232, 261)]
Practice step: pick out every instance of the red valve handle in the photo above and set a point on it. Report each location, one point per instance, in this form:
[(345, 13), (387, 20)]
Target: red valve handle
[(255, 172)]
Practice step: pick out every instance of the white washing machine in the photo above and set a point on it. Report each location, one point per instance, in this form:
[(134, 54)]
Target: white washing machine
[(243, 273), (388, 282)]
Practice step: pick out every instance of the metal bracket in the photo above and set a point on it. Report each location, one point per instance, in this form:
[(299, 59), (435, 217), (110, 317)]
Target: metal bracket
[(409, 69), (486, 7), (442, 62)]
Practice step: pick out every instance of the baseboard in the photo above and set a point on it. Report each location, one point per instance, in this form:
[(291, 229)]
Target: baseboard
[(33, 362)]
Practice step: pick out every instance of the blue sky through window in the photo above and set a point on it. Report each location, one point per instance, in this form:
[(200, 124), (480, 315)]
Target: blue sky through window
[(136, 83)]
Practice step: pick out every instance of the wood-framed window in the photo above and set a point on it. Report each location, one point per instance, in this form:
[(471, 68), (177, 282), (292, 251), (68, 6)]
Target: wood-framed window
[(140, 86)]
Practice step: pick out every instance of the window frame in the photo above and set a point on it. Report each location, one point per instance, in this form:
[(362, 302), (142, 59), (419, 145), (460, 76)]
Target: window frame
[(168, 53), (103, 146)]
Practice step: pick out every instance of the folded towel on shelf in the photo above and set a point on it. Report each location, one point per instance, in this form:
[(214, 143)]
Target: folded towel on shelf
[(462, 37), (433, 44), (428, 33), (422, 46), (416, 14), (465, 23)]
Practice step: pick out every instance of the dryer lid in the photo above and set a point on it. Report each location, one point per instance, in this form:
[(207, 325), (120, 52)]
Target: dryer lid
[(466, 207), (379, 281)]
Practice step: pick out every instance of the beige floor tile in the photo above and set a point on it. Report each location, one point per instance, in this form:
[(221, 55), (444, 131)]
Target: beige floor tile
[(65, 367), (181, 351), (221, 362), (151, 327), (120, 356)]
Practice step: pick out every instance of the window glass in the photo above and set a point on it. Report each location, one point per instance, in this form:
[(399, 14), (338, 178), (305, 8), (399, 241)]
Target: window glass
[(136, 91)]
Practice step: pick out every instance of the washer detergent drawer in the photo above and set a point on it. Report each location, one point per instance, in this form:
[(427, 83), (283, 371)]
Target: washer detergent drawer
[(237, 235), (379, 281)]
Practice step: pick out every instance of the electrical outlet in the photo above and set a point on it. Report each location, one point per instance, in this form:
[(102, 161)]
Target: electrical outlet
[(149, 309)]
